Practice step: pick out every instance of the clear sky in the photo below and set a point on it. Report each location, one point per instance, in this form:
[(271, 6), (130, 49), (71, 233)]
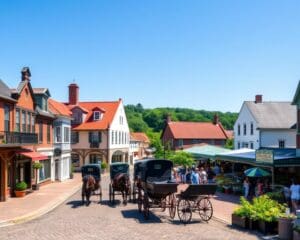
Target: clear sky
[(199, 54)]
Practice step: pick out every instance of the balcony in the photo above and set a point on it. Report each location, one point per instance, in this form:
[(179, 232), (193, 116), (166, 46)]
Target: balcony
[(17, 138), (94, 145)]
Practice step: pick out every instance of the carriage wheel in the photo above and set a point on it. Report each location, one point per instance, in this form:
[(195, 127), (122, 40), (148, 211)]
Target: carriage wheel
[(163, 204), (140, 201), (172, 205), (133, 193), (184, 211), (110, 193), (205, 209), (146, 206)]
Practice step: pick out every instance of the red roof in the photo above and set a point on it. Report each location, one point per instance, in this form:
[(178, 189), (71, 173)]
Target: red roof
[(197, 130), (35, 156), (58, 108), (89, 123), (229, 134), (139, 136)]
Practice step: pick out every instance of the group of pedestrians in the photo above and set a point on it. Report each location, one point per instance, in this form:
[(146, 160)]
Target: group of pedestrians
[(292, 195), (255, 188), (195, 175)]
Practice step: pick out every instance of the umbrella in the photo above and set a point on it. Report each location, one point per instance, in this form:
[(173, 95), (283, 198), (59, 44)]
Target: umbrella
[(256, 172)]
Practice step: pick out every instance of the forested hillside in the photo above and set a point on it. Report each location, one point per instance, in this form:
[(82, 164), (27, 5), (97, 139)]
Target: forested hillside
[(152, 120)]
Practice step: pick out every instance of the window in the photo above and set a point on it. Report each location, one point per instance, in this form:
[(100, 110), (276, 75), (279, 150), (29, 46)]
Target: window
[(48, 133), (66, 134), (40, 132), (180, 142), (245, 129), (281, 143), (119, 137), (23, 121), (28, 122), (251, 129), (251, 145), (97, 116), (123, 138), (239, 130), (58, 135), (17, 128), (32, 124), (121, 120), (6, 118), (116, 137), (44, 172), (245, 145), (75, 160), (95, 158), (112, 137), (95, 137), (74, 137), (239, 145)]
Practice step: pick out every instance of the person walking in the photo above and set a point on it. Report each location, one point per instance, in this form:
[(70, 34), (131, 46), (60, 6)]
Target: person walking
[(195, 176), (203, 176), (295, 195), (246, 185)]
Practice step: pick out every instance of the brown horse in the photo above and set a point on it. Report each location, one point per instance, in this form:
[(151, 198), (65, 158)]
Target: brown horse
[(88, 186), (121, 183)]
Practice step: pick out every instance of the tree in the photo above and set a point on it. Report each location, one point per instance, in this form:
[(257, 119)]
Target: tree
[(182, 158), (229, 144)]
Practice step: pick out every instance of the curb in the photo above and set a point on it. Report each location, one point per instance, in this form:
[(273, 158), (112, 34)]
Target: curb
[(40, 212), (220, 220)]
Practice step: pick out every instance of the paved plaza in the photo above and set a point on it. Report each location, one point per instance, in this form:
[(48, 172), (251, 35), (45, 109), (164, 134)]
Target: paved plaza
[(71, 220)]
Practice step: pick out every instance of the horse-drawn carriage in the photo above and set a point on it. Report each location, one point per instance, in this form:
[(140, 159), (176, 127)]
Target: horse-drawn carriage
[(195, 199), (136, 185), (119, 181), (156, 189), (91, 177)]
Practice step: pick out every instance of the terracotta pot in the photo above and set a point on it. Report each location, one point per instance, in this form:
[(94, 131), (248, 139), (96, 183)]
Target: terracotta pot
[(20, 193), (285, 228)]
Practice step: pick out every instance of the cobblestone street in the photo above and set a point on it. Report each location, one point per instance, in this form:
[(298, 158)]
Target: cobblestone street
[(71, 220)]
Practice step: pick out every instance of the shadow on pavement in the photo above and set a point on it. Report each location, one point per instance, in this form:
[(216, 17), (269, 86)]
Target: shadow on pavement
[(251, 232), (75, 203), (227, 197), (139, 217)]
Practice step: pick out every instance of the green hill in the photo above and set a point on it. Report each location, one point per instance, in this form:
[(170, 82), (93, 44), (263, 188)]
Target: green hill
[(152, 120)]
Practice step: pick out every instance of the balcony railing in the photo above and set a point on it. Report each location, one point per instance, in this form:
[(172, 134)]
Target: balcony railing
[(18, 138)]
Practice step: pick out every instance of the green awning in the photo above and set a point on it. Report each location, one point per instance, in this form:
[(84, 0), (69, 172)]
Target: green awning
[(206, 151)]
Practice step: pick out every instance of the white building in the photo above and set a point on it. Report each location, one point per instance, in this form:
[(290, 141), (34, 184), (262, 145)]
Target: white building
[(265, 125)]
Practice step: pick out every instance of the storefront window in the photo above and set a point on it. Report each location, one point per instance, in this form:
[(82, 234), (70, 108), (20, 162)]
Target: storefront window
[(45, 171), (95, 158), (75, 160)]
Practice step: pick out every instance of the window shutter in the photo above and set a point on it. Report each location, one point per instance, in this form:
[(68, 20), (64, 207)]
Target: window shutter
[(100, 137), (90, 137)]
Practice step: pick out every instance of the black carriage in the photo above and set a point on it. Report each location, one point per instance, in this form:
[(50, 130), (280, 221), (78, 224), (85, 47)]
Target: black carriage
[(136, 185), (196, 199), (95, 171), (116, 169), (157, 189)]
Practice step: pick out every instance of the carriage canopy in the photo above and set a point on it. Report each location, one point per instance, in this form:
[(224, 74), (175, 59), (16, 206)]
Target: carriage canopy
[(137, 168), (91, 169), (156, 170), (116, 168)]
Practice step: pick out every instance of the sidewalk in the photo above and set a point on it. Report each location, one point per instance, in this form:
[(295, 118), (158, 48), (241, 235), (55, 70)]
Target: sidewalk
[(37, 203)]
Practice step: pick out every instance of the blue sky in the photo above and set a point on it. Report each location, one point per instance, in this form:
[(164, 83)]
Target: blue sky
[(209, 55)]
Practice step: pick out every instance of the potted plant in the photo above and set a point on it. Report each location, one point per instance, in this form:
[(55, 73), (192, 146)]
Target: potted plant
[(21, 189), (241, 215), (36, 166), (103, 166), (285, 226)]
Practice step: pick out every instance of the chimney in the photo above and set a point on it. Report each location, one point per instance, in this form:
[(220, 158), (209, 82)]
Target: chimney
[(169, 118), (26, 74), (258, 98), (73, 94), (216, 119)]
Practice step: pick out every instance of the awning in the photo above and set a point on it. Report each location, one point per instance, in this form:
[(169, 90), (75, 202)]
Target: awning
[(35, 156), (206, 151)]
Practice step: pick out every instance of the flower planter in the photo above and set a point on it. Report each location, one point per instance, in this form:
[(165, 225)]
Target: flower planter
[(20, 193), (238, 221), (253, 224), (296, 235), (285, 228), (267, 227)]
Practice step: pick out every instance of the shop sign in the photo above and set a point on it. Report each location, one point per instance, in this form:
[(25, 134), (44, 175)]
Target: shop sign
[(264, 156)]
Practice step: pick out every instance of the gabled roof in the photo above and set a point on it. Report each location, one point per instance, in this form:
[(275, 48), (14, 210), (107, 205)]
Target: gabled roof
[(197, 130), (58, 108), (297, 94), (139, 137), (89, 123), (41, 91), (43, 113), (273, 115), (5, 92), (80, 107)]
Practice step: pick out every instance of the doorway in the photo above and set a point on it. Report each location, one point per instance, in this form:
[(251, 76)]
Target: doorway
[(56, 169)]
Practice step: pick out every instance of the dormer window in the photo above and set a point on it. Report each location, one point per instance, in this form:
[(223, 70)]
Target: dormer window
[(97, 115)]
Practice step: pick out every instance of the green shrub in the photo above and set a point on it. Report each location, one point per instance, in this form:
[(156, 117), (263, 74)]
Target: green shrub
[(103, 165), (21, 186), (245, 209), (37, 165)]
